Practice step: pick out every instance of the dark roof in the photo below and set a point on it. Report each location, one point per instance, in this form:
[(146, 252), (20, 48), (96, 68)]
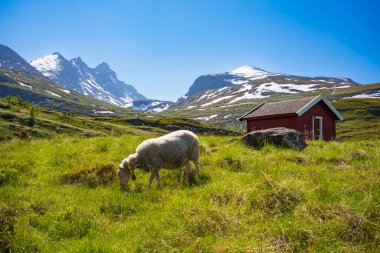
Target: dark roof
[(295, 106)]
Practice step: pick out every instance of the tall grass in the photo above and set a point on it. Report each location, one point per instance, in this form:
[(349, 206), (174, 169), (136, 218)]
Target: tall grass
[(59, 195)]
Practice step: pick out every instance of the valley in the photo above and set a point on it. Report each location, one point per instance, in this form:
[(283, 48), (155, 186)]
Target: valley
[(61, 143)]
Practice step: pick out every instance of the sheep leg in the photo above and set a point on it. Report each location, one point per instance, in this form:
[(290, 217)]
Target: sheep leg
[(158, 179), (151, 178), (188, 170), (196, 166)]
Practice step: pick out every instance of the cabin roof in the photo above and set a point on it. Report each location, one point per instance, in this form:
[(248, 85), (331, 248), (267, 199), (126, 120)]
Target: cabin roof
[(294, 106)]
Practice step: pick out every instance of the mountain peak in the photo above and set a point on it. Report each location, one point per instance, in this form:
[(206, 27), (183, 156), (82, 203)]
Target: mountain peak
[(57, 53), (47, 63), (11, 60), (77, 59), (250, 72), (103, 66), (78, 62)]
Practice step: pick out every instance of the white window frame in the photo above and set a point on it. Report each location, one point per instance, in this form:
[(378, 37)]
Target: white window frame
[(320, 127)]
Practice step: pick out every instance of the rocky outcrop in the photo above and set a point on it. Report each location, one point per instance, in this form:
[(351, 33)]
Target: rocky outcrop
[(280, 137)]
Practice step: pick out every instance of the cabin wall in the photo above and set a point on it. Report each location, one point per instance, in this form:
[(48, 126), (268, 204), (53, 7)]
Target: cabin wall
[(328, 121), (302, 124), (259, 124)]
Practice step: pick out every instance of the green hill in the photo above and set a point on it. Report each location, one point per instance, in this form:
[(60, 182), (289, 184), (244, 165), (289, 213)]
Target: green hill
[(15, 115), (42, 92), (226, 115), (362, 118), (62, 195), (59, 190)]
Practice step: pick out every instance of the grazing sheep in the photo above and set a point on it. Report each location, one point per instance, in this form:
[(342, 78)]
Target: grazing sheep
[(171, 151)]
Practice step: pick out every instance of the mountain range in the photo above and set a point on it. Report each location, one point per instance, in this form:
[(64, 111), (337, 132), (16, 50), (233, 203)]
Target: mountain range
[(100, 82), (246, 83), (216, 98)]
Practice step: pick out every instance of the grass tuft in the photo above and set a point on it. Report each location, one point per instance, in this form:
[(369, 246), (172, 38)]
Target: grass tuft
[(7, 227), (92, 177)]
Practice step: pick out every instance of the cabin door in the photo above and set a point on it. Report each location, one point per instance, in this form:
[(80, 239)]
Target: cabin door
[(317, 131)]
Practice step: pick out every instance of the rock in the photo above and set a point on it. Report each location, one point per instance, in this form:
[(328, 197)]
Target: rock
[(279, 136)]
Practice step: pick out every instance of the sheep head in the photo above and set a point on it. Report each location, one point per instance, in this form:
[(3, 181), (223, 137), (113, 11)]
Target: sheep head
[(126, 172)]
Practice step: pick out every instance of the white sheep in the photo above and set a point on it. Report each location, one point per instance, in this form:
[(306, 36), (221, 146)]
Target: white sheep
[(171, 151)]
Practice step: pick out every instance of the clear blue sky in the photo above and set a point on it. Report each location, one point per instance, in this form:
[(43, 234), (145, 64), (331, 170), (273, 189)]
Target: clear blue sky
[(160, 47)]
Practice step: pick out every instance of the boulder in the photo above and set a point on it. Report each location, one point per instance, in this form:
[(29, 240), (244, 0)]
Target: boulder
[(279, 136)]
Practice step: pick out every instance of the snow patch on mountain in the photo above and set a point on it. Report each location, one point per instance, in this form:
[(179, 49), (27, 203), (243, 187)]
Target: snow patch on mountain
[(216, 101), (251, 73), (207, 117), (53, 94), (373, 95), (48, 65), (150, 105), (65, 91), (248, 96), (285, 88), (25, 85)]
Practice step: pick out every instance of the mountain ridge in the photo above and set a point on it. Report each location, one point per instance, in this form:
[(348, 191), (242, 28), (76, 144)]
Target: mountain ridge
[(100, 82), (9, 59), (245, 74)]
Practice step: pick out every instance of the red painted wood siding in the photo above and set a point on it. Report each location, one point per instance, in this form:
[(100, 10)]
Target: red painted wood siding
[(302, 124), (259, 124)]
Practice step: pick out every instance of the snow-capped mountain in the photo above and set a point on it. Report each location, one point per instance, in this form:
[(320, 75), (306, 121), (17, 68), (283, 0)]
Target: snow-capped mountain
[(9, 59), (100, 82), (222, 98), (151, 105), (245, 83)]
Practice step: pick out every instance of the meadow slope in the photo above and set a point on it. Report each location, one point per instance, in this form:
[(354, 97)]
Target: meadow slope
[(62, 195)]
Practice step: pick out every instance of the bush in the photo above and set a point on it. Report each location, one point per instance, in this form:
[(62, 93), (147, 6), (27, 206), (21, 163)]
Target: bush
[(8, 175), (7, 222), (92, 176), (8, 116), (232, 163), (71, 223), (276, 202), (212, 222), (4, 105), (117, 212)]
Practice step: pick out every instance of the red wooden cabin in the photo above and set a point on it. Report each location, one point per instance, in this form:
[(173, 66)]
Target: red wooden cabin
[(314, 117)]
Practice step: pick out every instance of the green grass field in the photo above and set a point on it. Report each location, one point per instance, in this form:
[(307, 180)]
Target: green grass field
[(62, 195)]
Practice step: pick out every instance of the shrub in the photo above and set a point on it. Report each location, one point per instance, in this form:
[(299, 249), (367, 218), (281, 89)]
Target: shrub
[(117, 212), (8, 116), (7, 222), (40, 207), (92, 176), (8, 175), (358, 155), (4, 105), (11, 171), (276, 202), (212, 222), (71, 223), (232, 163)]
